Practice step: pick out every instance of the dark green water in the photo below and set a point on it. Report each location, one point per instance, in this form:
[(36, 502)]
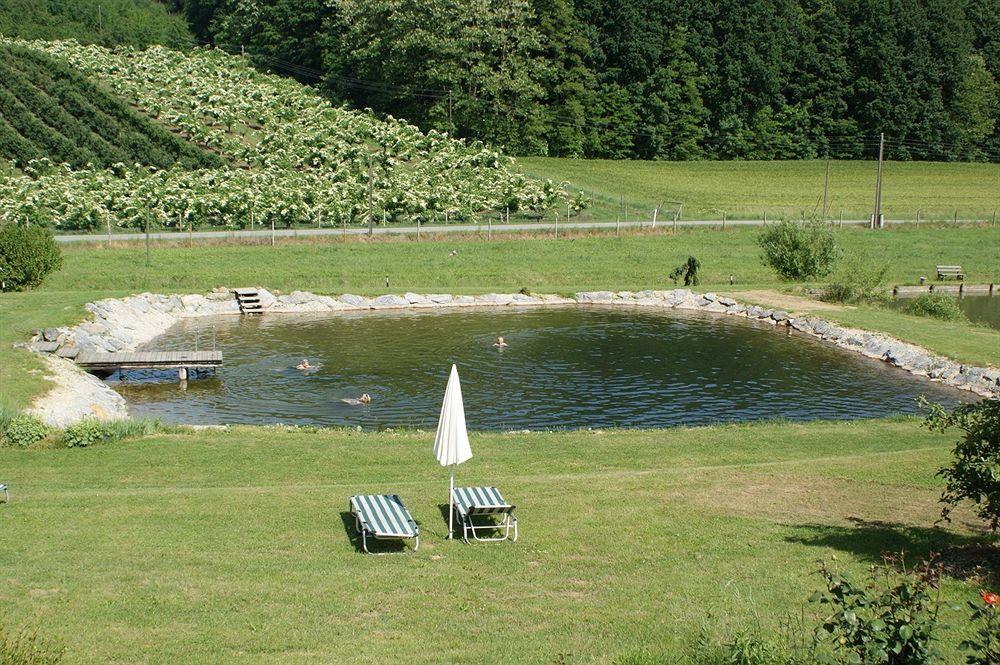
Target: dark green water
[(565, 368)]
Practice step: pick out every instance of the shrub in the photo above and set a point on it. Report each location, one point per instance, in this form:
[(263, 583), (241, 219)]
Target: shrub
[(25, 648), (973, 474), (27, 255), (985, 646), (20, 431), (799, 251), (863, 280), (688, 270), (890, 618), (935, 305), (91, 431)]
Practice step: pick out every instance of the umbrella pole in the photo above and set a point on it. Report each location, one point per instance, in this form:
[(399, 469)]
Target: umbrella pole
[(451, 510)]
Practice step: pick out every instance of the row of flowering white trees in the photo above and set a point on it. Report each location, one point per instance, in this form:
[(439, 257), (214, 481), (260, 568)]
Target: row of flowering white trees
[(294, 158)]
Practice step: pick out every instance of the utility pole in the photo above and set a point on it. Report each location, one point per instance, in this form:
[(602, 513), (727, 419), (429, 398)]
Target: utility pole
[(878, 183), (100, 20), (371, 176), (451, 126), (147, 238), (826, 187)]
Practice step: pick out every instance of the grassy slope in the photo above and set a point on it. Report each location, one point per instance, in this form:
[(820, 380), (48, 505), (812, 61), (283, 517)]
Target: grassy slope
[(564, 266), (218, 545), (745, 190)]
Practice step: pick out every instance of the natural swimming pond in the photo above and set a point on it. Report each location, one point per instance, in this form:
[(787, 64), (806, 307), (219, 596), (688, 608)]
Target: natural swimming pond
[(565, 367)]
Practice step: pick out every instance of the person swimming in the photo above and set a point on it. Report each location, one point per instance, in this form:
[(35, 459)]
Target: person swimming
[(304, 364), (364, 399), (500, 344)]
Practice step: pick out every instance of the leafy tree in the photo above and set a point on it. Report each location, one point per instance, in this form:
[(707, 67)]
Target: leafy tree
[(974, 474), (799, 251)]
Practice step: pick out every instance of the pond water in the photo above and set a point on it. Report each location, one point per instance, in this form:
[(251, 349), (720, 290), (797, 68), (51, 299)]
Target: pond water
[(984, 310), (567, 367)]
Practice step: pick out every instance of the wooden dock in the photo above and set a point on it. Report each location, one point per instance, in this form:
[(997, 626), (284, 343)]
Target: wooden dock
[(959, 289), (182, 361)]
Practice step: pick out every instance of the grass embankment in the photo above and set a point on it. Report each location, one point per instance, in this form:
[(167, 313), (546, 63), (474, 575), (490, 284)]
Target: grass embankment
[(559, 266), (791, 189), (214, 546)]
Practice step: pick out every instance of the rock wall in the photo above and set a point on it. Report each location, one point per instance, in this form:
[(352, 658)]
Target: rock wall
[(126, 324)]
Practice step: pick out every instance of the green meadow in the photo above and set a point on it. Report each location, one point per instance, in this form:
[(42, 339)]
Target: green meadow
[(780, 189), (235, 545)]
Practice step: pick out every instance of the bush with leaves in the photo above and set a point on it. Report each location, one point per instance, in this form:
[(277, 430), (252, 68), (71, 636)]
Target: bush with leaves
[(985, 645), (935, 305), (688, 270), (27, 255), (799, 251), (890, 618), (21, 431), (974, 473), (861, 280), (91, 431)]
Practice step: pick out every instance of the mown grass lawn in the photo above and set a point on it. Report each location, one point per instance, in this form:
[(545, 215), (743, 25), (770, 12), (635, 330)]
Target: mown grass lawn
[(234, 545), (748, 190), (543, 265)]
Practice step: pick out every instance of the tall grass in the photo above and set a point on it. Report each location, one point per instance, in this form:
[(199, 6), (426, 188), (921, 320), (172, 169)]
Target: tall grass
[(24, 647)]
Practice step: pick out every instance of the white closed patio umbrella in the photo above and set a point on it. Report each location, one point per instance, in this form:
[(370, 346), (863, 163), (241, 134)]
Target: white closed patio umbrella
[(451, 444)]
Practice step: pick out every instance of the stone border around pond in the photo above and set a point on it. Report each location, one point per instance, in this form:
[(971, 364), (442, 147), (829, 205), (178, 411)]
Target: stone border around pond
[(127, 323)]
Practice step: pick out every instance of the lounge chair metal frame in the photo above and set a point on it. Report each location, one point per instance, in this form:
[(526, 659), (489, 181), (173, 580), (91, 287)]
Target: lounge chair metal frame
[(368, 526), (6, 494), (487, 504)]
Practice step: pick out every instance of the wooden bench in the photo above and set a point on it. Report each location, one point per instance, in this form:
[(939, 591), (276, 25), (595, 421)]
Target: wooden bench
[(944, 272)]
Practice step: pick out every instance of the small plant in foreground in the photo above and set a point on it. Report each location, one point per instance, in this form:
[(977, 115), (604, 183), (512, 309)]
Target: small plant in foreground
[(935, 305), (90, 431), (974, 474), (799, 251), (688, 270), (27, 255), (21, 431), (25, 648), (985, 646), (890, 618)]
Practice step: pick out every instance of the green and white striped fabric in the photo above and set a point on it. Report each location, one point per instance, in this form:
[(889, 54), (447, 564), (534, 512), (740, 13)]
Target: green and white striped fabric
[(479, 501), (384, 515)]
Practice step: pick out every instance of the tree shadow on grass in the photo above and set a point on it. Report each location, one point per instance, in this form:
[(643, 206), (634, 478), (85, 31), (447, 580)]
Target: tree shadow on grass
[(967, 557), (374, 546)]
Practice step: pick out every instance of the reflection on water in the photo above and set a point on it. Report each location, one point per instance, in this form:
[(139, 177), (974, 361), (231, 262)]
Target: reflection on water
[(568, 367)]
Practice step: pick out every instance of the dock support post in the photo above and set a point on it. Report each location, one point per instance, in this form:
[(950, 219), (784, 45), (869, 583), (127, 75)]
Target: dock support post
[(182, 374)]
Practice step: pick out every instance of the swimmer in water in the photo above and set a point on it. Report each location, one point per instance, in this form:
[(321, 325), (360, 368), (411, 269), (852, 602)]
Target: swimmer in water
[(304, 364), (364, 399), (500, 344)]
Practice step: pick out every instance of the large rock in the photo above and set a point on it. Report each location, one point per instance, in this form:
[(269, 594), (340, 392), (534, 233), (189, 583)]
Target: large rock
[(358, 302), (495, 299), (595, 296), (389, 301)]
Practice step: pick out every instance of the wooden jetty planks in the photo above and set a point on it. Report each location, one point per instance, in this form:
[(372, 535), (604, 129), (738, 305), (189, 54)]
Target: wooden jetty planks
[(151, 359)]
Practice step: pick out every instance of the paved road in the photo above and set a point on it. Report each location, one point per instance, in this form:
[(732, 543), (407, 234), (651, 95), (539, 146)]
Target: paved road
[(546, 227)]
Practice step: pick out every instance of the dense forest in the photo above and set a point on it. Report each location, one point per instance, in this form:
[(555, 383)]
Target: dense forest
[(650, 79)]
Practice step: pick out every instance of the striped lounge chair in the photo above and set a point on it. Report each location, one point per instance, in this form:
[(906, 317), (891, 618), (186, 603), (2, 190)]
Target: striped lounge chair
[(6, 495), (487, 503), (383, 517)]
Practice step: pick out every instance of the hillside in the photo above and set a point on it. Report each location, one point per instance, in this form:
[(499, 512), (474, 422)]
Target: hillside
[(48, 110), (295, 159), (108, 22)]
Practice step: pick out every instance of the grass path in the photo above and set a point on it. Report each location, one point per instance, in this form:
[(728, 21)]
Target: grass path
[(233, 545)]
